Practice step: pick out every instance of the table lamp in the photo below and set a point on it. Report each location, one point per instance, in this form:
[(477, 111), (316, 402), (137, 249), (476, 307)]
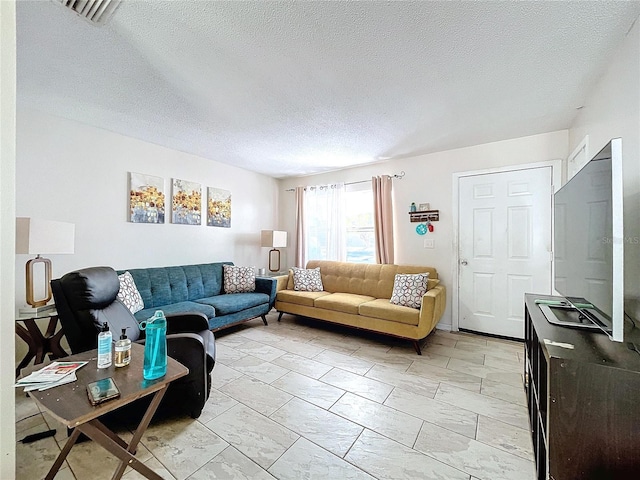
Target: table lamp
[(36, 236), (273, 239)]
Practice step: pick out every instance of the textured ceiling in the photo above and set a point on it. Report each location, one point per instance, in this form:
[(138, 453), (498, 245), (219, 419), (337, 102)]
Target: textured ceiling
[(292, 88)]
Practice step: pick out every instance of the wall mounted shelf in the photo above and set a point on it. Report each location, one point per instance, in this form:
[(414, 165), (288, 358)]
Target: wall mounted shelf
[(425, 216)]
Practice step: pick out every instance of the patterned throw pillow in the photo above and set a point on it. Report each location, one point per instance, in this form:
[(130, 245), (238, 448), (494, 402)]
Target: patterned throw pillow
[(408, 290), (239, 279), (307, 280), (129, 294)]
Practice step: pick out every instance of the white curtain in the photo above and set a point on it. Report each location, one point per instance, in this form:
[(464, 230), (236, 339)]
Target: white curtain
[(323, 223)]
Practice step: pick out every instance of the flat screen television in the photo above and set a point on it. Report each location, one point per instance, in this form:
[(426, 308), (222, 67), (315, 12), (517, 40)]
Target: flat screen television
[(588, 242)]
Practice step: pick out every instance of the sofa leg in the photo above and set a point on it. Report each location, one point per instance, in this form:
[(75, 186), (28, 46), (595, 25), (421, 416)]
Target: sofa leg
[(416, 345), (280, 315), (264, 319)]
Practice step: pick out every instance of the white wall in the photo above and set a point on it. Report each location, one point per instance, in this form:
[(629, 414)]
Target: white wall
[(7, 232), (429, 179), (612, 109), (76, 173)]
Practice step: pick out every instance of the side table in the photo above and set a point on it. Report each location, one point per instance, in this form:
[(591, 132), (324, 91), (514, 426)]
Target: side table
[(70, 405), (39, 344)]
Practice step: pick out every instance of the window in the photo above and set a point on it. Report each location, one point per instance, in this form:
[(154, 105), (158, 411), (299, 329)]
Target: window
[(360, 235), (339, 223), (324, 222)]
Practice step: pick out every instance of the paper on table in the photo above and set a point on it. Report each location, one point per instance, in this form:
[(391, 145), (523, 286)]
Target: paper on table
[(50, 373), (40, 386), (558, 344)]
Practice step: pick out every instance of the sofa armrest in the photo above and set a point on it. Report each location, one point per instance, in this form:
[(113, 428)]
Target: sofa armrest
[(186, 323), (178, 345), (433, 305), (194, 351), (267, 285), (283, 282)]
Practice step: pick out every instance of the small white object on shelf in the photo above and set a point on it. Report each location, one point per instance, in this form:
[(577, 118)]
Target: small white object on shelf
[(37, 311)]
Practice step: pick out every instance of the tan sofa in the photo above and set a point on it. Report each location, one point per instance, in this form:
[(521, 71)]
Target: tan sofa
[(358, 295)]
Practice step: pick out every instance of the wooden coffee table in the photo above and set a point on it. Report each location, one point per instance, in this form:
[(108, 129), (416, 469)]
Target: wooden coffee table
[(70, 405)]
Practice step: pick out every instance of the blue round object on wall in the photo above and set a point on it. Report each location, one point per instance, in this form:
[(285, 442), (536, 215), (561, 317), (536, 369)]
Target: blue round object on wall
[(421, 229)]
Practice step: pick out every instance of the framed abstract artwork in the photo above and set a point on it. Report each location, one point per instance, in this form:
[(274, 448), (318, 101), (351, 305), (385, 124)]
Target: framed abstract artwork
[(186, 202), (146, 198), (219, 208)]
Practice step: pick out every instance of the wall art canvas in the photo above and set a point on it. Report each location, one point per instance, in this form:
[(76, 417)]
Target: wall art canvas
[(146, 198), (219, 208), (186, 202)]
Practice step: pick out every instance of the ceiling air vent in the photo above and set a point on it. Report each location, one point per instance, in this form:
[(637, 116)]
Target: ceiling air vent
[(94, 11)]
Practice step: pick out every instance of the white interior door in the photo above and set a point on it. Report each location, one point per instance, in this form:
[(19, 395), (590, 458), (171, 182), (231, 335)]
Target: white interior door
[(504, 247)]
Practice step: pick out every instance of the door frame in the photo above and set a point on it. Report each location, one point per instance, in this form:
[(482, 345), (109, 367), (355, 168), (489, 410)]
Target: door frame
[(556, 182)]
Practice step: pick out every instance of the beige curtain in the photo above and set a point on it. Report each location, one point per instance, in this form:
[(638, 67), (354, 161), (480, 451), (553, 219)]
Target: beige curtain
[(383, 218), (300, 240)]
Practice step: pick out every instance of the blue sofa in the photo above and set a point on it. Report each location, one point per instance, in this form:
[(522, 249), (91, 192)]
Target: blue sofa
[(199, 288)]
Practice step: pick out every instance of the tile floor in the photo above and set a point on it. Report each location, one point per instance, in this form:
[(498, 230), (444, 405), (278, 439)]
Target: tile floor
[(303, 400)]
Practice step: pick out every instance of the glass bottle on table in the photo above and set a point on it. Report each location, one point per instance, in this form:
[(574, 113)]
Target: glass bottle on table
[(123, 350)]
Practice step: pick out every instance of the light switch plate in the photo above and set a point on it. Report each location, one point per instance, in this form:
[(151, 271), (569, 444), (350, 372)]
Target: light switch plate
[(429, 243)]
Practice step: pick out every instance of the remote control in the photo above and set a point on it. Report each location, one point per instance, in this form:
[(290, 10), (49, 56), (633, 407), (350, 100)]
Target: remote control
[(550, 302), (38, 436)]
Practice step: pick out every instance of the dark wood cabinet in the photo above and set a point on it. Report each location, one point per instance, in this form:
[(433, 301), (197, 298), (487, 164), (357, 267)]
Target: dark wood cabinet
[(583, 393)]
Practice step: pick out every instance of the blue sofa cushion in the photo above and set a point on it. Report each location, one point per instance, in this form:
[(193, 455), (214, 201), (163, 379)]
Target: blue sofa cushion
[(180, 307), (234, 302), (211, 279), (161, 286)]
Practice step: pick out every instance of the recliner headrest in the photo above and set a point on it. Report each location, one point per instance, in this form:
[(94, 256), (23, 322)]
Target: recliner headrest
[(91, 288)]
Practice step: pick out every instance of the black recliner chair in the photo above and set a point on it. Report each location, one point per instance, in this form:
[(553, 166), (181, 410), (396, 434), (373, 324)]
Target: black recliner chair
[(87, 298)]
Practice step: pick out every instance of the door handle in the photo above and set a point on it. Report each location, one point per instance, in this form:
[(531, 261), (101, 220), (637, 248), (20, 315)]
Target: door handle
[(463, 263)]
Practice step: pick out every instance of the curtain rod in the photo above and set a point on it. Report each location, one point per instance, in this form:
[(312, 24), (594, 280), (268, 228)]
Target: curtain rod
[(398, 176)]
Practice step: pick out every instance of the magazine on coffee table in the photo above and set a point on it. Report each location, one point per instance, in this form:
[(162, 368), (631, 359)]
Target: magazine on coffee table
[(54, 374), (40, 386)]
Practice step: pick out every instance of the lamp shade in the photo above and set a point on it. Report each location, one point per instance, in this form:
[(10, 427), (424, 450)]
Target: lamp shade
[(273, 238), (36, 236)]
